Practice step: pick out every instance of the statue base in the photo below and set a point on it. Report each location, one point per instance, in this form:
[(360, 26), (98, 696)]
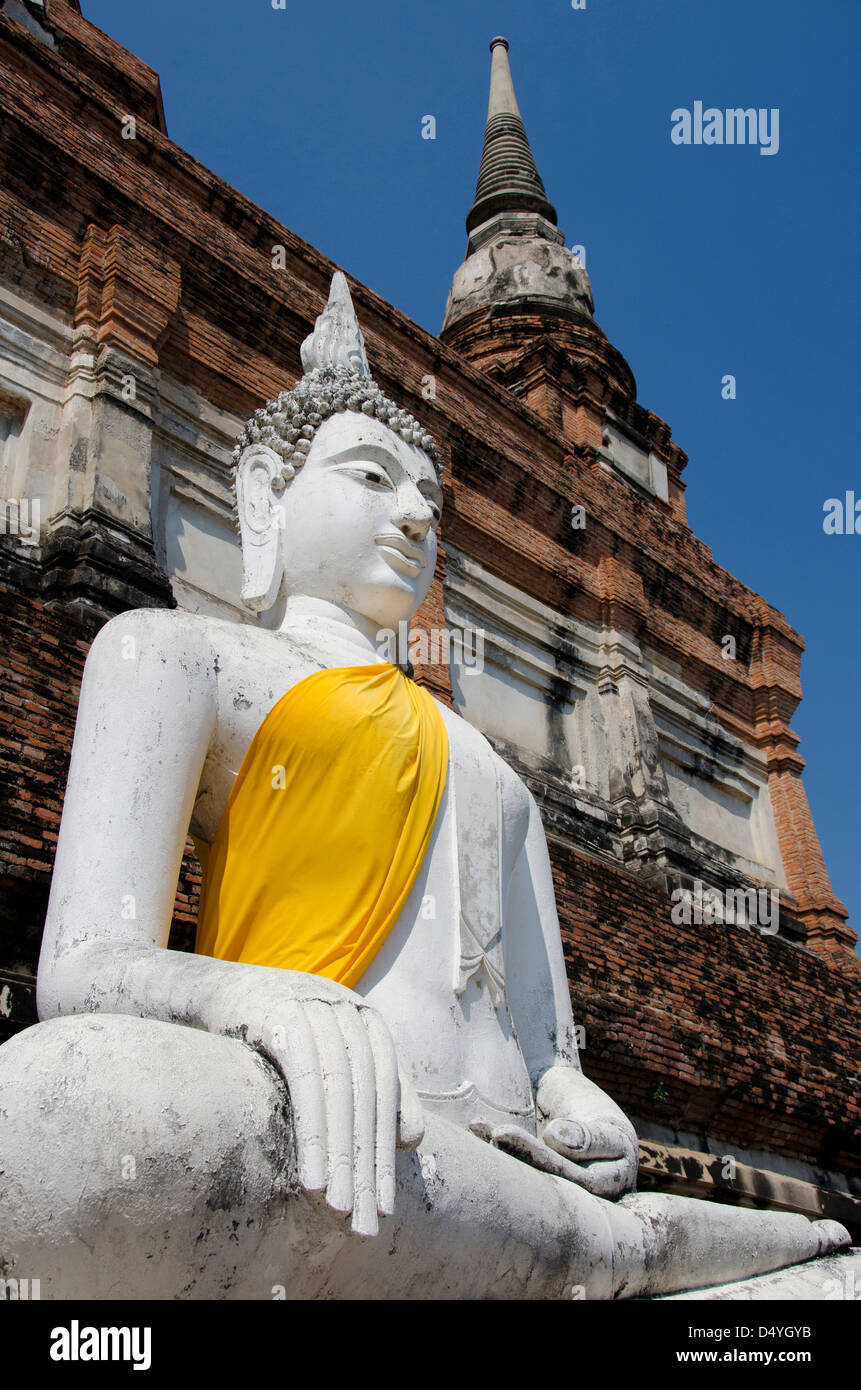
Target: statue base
[(833, 1278)]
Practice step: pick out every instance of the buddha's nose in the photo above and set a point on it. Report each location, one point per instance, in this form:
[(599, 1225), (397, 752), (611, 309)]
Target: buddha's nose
[(413, 513)]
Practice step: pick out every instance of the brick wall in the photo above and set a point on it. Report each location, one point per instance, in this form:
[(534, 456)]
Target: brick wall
[(712, 1030), (41, 662), (42, 655)]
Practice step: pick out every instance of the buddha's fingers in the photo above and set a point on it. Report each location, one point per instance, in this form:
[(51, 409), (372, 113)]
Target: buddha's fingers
[(585, 1142), (601, 1179), (300, 1065), (338, 1086), (386, 1069), (363, 1072), (411, 1119), (523, 1145)]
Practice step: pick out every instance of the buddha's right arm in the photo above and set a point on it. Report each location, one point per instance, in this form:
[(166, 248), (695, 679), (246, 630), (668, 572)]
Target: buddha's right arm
[(145, 719)]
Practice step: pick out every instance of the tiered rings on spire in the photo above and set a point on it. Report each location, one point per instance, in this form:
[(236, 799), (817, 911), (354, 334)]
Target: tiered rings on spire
[(508, 178)]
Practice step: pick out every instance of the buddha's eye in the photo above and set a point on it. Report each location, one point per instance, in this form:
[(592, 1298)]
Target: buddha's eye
[(375, 476)]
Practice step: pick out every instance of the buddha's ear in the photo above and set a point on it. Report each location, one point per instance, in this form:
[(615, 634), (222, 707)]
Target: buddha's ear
[(260, 479)]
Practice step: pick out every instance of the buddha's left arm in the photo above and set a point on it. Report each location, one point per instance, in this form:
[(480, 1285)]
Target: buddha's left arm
[(582, 1134)]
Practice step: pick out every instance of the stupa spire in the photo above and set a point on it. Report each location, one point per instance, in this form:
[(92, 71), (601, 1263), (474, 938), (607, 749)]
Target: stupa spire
[(516, 265), (508, 178)]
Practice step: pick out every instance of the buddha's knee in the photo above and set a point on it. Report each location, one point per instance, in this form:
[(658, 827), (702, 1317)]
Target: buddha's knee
[(128, 1140)]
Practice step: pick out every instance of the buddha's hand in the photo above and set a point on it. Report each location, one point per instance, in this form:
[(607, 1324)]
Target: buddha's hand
[(351, 1108), (583, 1136)]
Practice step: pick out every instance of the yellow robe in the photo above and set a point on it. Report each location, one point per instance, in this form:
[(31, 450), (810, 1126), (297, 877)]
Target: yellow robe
[(327, 824)]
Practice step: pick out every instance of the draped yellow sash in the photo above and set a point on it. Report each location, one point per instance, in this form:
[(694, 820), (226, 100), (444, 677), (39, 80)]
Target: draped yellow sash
[(327, 824)]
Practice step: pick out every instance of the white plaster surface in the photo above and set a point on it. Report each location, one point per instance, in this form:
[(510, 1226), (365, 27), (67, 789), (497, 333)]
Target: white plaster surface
[(573, 695)]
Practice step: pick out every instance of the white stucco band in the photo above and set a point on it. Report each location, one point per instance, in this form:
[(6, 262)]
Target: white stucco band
[(615, 716), (49, 379), (624, 452), (35, 351), (194, 531)]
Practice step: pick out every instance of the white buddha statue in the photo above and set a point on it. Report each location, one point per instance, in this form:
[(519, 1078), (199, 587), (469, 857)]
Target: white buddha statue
[(365, 1082)]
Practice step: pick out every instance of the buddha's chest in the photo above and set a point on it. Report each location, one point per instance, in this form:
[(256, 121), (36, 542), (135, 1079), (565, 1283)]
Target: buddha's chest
[(440, 978), (255, 670)]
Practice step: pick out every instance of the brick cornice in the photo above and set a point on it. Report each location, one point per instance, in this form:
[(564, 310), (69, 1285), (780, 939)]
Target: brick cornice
[(127, 293)]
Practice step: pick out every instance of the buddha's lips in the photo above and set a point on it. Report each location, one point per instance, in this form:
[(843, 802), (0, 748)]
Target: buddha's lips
[(404, 549)]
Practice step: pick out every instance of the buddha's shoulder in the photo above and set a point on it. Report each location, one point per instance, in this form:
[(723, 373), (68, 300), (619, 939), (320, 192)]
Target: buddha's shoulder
[(174, 630), (194, 643), (465, 738)]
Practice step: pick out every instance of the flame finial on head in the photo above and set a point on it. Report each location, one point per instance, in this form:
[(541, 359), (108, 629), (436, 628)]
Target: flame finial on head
[(337, 338), (337, 378)]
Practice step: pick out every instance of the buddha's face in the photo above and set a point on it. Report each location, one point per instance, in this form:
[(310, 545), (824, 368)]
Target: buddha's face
[(359, 520)]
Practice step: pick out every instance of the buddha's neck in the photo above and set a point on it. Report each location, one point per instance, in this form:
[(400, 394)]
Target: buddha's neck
[(338, 632)]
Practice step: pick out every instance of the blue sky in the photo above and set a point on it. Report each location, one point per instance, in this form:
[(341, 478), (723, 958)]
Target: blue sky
[(704, 260)]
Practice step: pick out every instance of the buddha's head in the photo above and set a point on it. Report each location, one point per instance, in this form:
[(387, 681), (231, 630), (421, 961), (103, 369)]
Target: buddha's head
[(337, 489)]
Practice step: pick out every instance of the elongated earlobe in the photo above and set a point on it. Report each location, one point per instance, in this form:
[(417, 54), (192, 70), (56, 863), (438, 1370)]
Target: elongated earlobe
[(260, 479)]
